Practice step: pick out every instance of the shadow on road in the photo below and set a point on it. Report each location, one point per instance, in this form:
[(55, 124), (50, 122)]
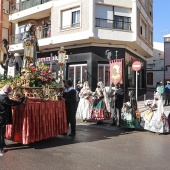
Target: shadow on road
[(84, 133)]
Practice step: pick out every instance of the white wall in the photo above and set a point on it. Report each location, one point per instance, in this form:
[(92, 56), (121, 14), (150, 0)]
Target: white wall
[(156, 63)]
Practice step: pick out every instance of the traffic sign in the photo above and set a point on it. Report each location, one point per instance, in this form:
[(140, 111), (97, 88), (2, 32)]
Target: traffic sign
[(136, 66)]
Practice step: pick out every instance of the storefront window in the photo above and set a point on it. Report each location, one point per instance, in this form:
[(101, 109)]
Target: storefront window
[(84, 73), (101, 73), (104, 74), (71, 73), (77, 73), (131, 76)]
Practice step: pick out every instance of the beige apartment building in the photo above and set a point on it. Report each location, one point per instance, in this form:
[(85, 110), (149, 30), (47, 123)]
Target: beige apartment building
[(87, 29)]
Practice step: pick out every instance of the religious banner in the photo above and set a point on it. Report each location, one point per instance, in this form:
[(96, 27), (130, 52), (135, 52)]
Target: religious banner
[(116, 71)]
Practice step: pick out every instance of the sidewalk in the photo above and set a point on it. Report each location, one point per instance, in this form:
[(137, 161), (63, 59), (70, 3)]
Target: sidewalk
[(148, 96)]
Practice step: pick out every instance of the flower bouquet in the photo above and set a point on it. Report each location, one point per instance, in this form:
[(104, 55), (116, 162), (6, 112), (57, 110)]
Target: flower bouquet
[(40, 75)]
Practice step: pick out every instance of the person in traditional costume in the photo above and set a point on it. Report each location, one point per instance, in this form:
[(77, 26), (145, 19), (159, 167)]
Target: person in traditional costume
[(130, 117), (156, 121), (101, 104), (85, 103)]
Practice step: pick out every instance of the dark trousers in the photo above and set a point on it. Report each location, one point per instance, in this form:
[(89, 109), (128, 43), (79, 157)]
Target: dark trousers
[(167, 99), (71, 119), (117, 116), (2, 138)]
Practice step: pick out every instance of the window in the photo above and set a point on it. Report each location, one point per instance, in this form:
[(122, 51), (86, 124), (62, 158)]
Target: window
[(121, 22), (149, 78), (77, 73), (21, 32), (143, 29), (6, 7), (5, 33), (104, 74), (70, 18), (76, 18), (150, 9)]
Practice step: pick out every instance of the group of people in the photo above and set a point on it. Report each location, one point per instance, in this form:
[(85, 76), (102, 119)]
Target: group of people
[(164, 91), (112, 101), (102, 100), (100, 103)]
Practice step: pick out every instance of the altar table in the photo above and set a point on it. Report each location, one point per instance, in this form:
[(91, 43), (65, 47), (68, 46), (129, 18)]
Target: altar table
[(37, 120)]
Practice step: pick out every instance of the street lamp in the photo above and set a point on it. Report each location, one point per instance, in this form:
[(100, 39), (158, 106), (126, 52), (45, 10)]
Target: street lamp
[(28, 53), (61, 62)]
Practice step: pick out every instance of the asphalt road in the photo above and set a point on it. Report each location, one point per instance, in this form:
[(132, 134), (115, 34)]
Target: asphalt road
[(95, 147)]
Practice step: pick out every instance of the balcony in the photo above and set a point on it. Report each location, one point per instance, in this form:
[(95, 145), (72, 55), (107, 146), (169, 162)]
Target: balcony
[(40, 33), (113, 24), (26, 5)]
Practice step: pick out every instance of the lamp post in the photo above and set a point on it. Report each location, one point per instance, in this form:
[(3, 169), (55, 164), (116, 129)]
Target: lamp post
[(61, 62), (28, 53)]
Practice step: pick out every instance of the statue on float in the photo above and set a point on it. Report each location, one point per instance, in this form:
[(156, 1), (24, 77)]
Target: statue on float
[(30, 44)]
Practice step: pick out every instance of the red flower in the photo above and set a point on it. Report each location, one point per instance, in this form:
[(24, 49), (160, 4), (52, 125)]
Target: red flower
[(43, 73), (33, 69)]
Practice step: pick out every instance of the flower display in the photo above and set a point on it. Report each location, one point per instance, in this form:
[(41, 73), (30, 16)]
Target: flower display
[(40, 74)]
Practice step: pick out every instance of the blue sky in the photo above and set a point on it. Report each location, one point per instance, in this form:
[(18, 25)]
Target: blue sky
[(161, 19)]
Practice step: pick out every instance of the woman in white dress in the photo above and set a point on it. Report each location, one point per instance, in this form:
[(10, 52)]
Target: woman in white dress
[(157, 122), (85, 103)]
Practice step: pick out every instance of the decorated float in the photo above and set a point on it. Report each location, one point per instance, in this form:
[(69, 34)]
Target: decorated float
[(36, 81), (43, 115)]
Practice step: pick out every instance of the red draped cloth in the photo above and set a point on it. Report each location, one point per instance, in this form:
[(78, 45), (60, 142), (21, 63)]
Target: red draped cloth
[(37, 120)]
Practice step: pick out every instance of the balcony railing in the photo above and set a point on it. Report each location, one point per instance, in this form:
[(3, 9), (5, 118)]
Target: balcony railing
[(26, 5), (113, 24), (40, 33)]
